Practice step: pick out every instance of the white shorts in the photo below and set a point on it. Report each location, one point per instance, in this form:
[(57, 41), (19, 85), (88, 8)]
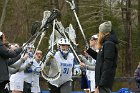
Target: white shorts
[(92, 85), (16, 86), (35, 89)]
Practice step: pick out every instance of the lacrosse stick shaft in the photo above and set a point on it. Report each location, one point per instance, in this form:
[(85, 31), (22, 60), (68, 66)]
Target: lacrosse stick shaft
[(72, 5), (42, 35), (80, 27), (43, 59), (53, 34), (75, 53)]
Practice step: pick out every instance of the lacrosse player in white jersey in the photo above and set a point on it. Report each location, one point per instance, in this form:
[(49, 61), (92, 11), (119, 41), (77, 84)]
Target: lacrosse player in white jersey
[(65, 60), (17, 79), (31, 84), (90, 65)]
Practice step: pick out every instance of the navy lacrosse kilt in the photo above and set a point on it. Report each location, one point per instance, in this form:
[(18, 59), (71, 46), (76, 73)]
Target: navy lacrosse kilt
[(85, 84)]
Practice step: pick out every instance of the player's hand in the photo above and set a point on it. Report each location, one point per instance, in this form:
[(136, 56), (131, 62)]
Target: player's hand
[(82, 64)]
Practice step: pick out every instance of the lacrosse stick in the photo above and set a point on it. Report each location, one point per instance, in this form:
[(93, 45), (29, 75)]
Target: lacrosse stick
[(42, 35), (53, 34), (71, 33), (57, 36), (51, 69), (55, 13), (47, 18), (72, 5), (46, 15), (35, 26)]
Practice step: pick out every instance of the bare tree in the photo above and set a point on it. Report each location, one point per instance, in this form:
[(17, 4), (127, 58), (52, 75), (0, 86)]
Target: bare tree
[(128, 38), (139, 14), (3, 14), (101, 9)]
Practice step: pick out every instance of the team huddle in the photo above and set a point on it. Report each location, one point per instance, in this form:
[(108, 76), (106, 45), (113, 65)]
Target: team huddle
[(21, 67)]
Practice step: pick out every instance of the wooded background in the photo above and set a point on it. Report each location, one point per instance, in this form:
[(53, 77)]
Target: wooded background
[(17, 17)]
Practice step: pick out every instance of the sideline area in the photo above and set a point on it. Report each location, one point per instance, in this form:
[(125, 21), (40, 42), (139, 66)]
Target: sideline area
[(72, 92)]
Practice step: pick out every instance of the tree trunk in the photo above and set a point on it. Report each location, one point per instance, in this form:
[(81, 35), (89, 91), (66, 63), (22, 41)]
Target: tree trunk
[(138, 15), (128, 31), (101, 10), (123, 9), (3, 14)]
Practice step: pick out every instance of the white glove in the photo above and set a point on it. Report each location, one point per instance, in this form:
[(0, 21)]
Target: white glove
[(50, 54), (37, 69)]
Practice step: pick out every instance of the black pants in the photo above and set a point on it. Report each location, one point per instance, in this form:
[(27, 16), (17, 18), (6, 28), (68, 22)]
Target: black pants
[(104, 90), (54, 89), (27, 88), (138, 84), (64, 88), (2, 86)]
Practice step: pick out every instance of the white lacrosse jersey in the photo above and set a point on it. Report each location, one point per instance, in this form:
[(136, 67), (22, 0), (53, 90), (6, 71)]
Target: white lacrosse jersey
[(17, 81), (33, 77), (66, 69), (91, 76), (28, 76)]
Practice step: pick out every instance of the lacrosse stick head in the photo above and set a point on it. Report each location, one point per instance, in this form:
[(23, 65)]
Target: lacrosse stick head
[(46, 15), (35, 26), (72, 4), (54, 14), (60, 27), (71, 34), (51, 69)]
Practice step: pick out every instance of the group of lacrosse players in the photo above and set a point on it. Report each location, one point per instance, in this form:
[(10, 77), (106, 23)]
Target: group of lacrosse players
[(22, 65), (102, 53)]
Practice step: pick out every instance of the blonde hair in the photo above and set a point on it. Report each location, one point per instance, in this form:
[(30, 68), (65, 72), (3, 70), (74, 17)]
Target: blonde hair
[(138, 65), (101, 37)]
